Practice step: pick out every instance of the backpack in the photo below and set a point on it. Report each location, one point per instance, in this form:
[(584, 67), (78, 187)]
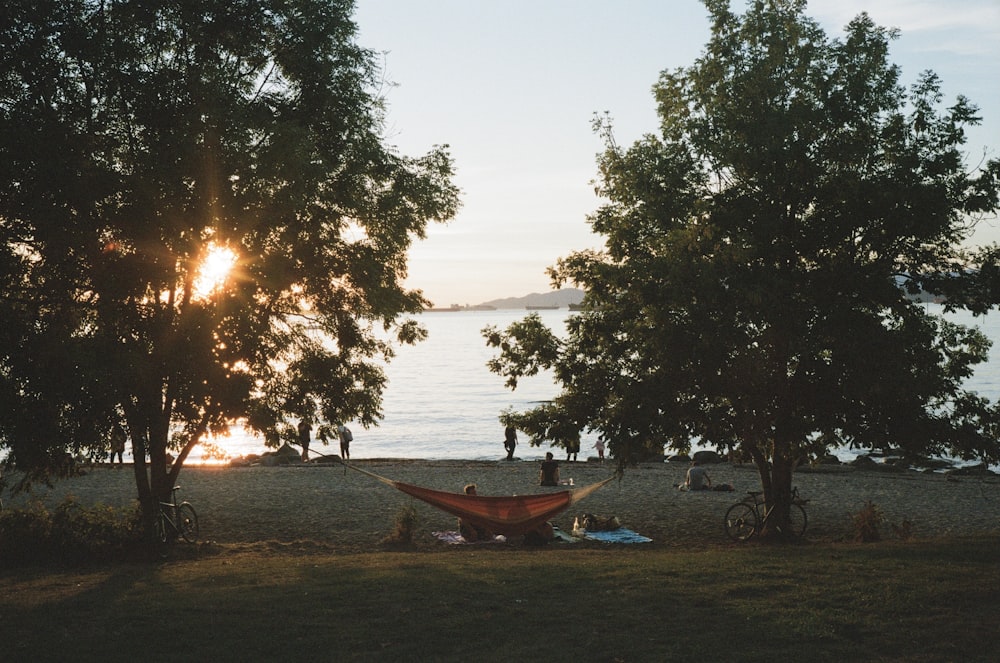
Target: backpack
[(348, 436)]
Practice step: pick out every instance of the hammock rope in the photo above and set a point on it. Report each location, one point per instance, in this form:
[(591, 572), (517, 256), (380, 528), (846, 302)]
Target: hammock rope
[(509, 515)]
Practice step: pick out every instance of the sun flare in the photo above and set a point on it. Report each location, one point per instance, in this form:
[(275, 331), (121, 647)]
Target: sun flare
[(214, 270)]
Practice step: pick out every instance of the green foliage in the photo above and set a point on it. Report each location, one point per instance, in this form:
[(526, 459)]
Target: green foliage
[(866, 524), (25, 534), (136, 139), (761, 253), (904, 530), (404, 527), (69, 534)]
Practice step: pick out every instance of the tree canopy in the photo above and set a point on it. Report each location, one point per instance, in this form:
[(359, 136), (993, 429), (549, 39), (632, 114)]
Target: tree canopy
[(201, 223), (762, 250)]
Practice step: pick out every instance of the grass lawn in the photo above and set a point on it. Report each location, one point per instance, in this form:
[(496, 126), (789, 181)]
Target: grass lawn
[(922, 601)]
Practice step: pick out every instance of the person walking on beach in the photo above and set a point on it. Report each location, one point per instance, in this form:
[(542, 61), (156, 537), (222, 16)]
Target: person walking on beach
[(599, 445), (549, 473), (510, 441), (304, 437), (345, 435)]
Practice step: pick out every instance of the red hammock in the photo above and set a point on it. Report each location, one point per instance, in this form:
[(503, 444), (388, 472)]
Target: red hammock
[(507, 515)]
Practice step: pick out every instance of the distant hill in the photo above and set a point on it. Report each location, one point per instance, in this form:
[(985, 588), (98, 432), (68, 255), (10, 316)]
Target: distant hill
[(561, 298)]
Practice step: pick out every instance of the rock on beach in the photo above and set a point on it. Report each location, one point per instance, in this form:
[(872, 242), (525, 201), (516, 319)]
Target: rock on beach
[(345, 509)]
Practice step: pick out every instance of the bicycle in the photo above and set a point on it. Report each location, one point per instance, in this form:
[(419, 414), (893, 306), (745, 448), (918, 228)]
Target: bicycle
[(745, 518), (176, 520)]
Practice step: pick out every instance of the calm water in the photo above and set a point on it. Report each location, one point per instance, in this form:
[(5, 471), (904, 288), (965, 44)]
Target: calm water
[(443, 403)]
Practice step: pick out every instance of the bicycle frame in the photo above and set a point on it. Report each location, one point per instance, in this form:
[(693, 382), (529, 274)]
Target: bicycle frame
[(746, 518), (176, 520)]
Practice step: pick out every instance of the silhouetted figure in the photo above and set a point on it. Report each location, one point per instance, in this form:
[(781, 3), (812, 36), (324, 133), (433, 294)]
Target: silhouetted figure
[(346, 437), (304, 437), (573, 448), (117, 445), (510, 441)]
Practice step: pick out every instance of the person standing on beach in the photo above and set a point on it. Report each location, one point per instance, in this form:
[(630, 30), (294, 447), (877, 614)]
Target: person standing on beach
[(549, 474), (304, 437), (573, 447), (117, 445), (510, 441), (345, 435)]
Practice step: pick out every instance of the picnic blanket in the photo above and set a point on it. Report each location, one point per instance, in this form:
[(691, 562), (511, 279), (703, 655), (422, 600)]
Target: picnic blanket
[(620, 535), (454, 538)]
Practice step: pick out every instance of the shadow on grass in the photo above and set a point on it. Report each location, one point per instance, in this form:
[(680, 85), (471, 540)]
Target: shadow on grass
[(920, 601)]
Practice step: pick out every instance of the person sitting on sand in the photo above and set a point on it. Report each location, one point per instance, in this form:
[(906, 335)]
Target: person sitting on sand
[(540, 536), (549, 474), (470, 531), (697, 478)]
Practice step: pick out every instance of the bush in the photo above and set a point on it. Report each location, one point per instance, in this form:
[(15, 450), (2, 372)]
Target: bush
[(866, 523), (24, 535), (904, 530), (70, 533), (405, 526)]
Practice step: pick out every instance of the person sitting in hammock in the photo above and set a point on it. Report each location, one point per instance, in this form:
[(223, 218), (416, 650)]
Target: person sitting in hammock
[(470, 531)]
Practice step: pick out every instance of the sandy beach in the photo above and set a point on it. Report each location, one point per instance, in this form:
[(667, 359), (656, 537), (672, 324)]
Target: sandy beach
[(338, 507)]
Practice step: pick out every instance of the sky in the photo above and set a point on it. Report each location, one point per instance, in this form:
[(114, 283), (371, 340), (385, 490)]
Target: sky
[(512, 87)]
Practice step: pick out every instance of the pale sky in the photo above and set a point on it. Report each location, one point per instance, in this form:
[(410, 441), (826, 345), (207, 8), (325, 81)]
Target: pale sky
[(512, 88)]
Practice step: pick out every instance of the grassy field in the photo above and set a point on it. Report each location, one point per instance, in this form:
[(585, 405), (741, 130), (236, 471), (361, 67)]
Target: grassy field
[(924, 601)]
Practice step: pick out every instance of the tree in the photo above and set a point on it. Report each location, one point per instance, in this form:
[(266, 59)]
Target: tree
[(144, 145), (761, 256)]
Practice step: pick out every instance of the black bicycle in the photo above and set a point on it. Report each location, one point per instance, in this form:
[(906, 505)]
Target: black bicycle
[(176, 520), (748, 517)]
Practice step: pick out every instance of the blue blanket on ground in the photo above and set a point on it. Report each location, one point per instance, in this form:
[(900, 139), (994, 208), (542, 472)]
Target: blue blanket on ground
[(620, 535)]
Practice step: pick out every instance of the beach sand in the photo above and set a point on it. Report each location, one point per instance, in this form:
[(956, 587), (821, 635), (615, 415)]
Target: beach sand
[(347, 510)]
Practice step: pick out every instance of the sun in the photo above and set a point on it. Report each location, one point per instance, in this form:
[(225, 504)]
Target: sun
[(215, 269)]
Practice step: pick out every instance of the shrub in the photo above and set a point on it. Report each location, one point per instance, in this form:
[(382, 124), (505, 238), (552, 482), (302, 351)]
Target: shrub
[(70, 533), (866, 523), (903, 530), (404, 528), (24, 535)]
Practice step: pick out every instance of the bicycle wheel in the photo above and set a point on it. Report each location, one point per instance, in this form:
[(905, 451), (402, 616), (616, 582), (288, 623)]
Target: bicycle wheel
[(741, 521), (187, 522), (796, 520), (163, 528)]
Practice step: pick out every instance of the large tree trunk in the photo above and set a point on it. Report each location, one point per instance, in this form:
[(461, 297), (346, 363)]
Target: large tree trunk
[(780, 499), (775, 470), (149, 453)]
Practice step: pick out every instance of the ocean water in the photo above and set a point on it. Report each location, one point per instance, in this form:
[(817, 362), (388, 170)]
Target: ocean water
[(443, 403)]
